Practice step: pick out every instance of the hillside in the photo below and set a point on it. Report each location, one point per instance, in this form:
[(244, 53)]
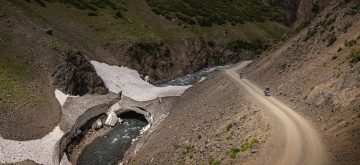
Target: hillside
[(124, 33), (307, 51), (316, 72)]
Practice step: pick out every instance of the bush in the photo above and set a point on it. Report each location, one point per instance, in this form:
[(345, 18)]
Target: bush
[(355, 56), (248, 144), (350, 43), (213, 161), (234, 152), (331, 40)]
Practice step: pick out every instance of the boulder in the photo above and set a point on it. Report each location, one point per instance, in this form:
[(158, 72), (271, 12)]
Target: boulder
[(75, 75), (111, 119)]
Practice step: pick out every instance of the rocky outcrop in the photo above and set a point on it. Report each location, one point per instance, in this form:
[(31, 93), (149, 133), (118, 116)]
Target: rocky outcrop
[(163, 61), (76, 76)]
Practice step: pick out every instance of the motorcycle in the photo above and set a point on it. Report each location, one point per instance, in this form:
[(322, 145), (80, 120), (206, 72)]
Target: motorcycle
[(267, 92)]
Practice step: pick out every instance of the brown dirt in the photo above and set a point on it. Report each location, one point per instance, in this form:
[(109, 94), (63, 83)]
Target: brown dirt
[(28, 108), (319, 82), (209, 120)]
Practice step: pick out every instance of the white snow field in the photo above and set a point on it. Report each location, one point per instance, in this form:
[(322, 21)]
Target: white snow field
[(128, 81), (40, 150), (116, 79)]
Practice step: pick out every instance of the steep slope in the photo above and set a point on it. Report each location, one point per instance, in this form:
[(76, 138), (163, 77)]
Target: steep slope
[(212, 123), (37, 37), (317, 73)]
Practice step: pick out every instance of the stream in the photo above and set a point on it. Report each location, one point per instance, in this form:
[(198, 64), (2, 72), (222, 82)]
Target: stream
[(110, 148)]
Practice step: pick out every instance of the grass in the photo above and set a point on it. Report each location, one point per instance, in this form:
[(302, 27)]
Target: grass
[(15, 75), (229, 126), (213, 161), (233, 152), (208, 12), (355, 56), (248, 144)]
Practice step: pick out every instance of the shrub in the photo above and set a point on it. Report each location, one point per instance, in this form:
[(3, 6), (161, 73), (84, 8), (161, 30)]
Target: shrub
[(331, 40), (213, 161), (248, 144), (354, 9), (234, 152), (355, 56), (334, 57), (350, 43)]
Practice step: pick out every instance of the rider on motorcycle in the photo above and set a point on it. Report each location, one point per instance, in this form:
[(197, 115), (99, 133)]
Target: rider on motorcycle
[(267, 90), (241, 75)]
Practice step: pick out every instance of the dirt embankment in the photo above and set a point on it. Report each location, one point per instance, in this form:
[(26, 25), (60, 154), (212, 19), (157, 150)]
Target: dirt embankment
[(211, 122), (313, 73)]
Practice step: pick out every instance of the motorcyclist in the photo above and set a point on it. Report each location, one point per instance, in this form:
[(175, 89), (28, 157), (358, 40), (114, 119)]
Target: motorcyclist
[(267, 90), (241, 75)]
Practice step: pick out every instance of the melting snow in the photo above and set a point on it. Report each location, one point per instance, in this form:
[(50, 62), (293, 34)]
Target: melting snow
[(128, 81)]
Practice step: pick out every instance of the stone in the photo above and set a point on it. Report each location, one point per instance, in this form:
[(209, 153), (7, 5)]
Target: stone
[(75, 75), (49, 31), (97, 125), (111, 119)]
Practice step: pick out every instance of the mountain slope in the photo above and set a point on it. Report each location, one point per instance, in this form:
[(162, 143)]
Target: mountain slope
[(316, 72)]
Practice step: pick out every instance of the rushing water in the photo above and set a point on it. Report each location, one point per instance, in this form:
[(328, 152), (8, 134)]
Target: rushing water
[(192, 77), (110, 148)]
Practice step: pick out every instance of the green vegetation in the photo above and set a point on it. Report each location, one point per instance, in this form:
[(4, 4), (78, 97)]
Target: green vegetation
[(15, 74), (248, 144), (213, 161), (229, 126), (208, 12), (355, 56), (240, 45), (354, 9), (217, 58), (234, 152), (332, 39), (93, 5), (350, 43)]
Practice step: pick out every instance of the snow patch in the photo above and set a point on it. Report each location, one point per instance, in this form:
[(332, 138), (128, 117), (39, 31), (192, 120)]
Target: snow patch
[(128, 81), (39, 150), (62, 97)]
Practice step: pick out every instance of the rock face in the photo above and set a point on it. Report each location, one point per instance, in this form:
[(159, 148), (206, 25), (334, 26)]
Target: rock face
[(163, 61), (76, 76)]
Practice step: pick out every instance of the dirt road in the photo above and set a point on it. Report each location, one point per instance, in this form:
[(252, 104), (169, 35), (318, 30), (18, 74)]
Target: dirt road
[(293, 139)]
